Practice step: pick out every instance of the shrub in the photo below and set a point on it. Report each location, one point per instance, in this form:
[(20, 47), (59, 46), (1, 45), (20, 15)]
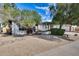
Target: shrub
[(56, 31)]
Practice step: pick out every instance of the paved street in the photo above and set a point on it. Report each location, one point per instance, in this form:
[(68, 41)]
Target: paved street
[(71, 49)]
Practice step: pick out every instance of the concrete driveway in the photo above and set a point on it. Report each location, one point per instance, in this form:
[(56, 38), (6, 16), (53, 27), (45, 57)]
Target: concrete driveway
[(71, 49)]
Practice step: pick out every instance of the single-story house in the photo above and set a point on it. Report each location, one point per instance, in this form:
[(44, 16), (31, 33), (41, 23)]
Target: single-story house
[(48, 25)]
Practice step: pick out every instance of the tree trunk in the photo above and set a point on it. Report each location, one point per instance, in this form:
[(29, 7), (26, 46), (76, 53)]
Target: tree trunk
[(60, 26), (61, 23), (70, 28), (48, 27), (37, 28), (51, 26)]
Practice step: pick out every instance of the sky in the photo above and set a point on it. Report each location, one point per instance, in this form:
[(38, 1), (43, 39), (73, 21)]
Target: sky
[(41, 8)]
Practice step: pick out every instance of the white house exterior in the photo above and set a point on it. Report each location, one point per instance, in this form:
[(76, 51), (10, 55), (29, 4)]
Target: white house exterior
[(42, 27), (67, 27)]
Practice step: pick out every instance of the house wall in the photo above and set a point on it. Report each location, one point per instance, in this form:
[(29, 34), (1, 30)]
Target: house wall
[(42, 27), (66, 27)]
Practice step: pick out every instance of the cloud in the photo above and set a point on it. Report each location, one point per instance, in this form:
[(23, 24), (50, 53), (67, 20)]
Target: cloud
[(46, 16), (46, 9), (43, 17), (50, 4)]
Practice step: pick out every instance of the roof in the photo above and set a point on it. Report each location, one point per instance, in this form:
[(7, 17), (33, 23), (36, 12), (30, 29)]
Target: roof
[(46, 23)]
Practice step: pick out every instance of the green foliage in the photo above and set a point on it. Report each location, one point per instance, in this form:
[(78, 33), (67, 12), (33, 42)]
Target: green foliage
[(30, 18), (59, 15), (36, 17), (27, 22), (9, 9), (56, 31), (65, 13), (24, 17), (16, 13)]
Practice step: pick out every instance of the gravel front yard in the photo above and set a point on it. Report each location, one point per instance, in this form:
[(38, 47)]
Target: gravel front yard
[(27, 45)]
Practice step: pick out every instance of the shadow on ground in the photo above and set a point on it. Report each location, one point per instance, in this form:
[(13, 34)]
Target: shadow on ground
[(48, 37), (53, 38)]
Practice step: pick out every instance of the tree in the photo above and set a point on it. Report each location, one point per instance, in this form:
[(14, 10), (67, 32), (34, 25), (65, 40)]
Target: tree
[(73, 14), (59, 13), (24, 17), (36, 17), (10, 11), (30, 17), (65, 13), (16, 15)]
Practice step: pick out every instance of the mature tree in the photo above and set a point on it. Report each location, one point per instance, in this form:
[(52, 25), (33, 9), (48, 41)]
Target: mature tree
[(30, 17), (7, 10), (65, 13), (24, 17), (16, 14), (36, 17), (10, 12), (59, 13), (73, 14)]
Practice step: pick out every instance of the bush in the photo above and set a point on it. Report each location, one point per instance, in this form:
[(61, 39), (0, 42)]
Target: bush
[(56, 31)]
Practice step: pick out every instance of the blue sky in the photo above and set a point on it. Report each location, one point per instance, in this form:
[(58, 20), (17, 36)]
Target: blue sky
[(41, 8)]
